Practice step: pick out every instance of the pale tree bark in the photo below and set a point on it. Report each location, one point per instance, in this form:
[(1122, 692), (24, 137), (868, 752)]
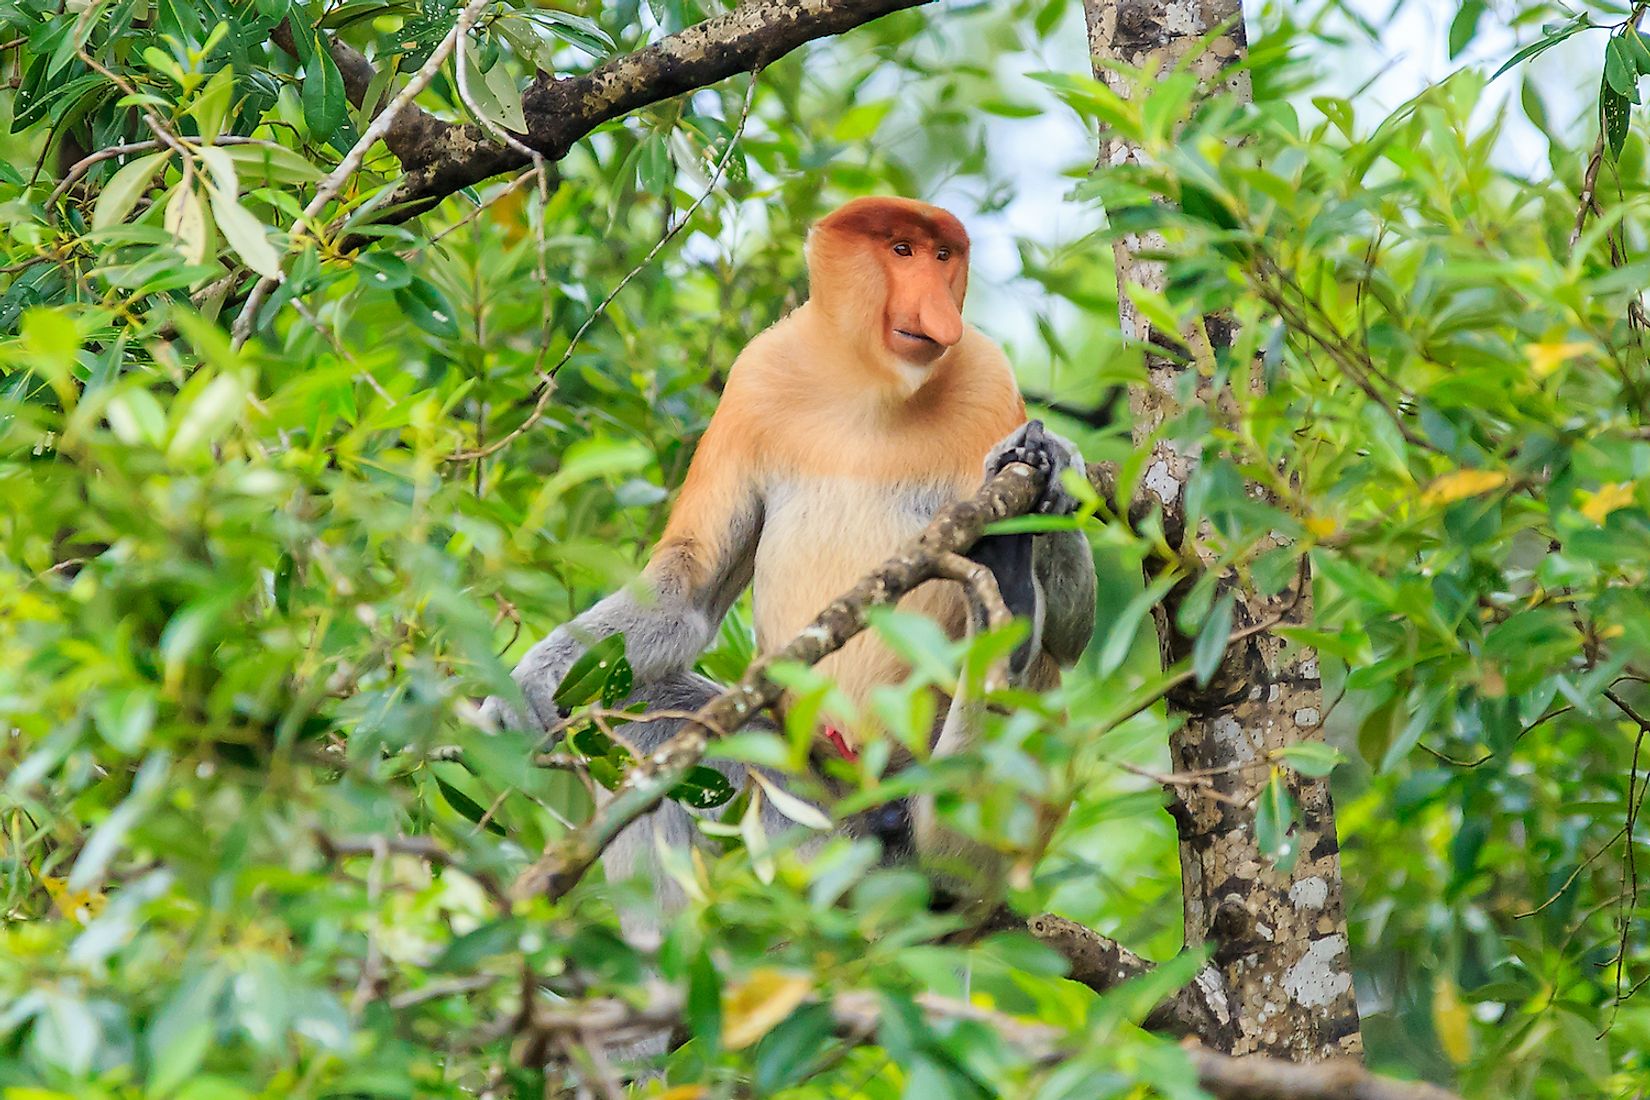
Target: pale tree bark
[(1280, 938)]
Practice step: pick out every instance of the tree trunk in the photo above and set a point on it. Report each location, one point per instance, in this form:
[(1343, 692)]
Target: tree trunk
[(1280, 938)]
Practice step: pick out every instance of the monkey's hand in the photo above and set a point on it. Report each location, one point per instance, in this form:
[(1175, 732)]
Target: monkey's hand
[(538, 675), (1039, 448)]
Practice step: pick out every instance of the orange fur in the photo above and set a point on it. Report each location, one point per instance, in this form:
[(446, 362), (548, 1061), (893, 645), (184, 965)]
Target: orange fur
[(840, 434)]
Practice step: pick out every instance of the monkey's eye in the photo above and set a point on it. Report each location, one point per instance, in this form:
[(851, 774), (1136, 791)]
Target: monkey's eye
[(902, 249), (943, 255)]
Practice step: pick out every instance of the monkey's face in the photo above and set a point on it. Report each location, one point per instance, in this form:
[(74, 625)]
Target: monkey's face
[(893, 271), (926, 278)]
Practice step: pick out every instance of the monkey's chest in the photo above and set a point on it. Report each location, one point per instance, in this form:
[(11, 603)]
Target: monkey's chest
[(819, 537)]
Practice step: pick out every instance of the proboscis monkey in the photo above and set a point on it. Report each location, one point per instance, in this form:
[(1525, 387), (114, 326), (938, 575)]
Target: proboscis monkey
[(841, 431)]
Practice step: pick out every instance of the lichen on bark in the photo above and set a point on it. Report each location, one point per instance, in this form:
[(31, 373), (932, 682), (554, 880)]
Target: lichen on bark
[(1280, 935)]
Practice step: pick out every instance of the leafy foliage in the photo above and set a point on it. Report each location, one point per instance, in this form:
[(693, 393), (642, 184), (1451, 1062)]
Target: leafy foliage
[(248, 597)]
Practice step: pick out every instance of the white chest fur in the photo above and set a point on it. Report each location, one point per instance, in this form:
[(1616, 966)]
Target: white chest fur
[(819, 537)]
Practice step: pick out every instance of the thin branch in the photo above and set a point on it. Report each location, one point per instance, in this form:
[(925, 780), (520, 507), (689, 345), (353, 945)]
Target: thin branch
[(546, 388), (1260, 1078), (329, 187), (87, 163), (425, 848)]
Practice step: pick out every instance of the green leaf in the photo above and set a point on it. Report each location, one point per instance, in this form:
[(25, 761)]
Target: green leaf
[(428, 308), (185, 220), (273, 164), (917, 639), (654, 168), (467, 807), (1545, 43), (323, 94), (791, 806), (1311, 758), (1210, 646), (1620, 70), (1614, 111), (211, 104), (1464, 26), (703, 788), (384, 270), (1274, 817), (704, 1002), (244, 233), (1120, 638), (584, 681), (136, 418), (205, 413), (576, 30), (124, 718), (1637, 51), (787, 1054), (506, 94), (125, 187)]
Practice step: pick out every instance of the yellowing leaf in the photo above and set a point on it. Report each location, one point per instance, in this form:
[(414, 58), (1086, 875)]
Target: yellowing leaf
[(1606, 499), (1463, 484), (1321, 526), (81, 905), (185, 219), (1546, 358), (682, 1092), (1451, 1022), (756, 1005)]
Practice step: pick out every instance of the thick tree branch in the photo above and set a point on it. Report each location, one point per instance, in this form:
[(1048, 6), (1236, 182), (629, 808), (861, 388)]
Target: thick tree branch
[(1197, 1009), (953, 530), (1260, 1078), (443, 157), (858, 1016)]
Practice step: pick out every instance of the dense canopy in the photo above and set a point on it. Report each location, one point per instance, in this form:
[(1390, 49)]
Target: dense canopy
[(346, 349)]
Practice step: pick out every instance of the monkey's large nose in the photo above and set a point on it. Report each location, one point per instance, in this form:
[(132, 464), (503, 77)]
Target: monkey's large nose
[(940, 320)]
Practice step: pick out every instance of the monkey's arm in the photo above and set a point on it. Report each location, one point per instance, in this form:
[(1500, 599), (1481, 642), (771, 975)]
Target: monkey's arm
[(672, 611)]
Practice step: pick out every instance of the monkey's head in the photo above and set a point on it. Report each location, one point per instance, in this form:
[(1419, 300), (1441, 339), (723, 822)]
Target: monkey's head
[(890, 274)]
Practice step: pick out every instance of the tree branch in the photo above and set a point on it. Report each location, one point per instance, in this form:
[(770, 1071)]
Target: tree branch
[(1257, 1077), (1198, 1009), (443, 157), (955, 529), (857, 1016)]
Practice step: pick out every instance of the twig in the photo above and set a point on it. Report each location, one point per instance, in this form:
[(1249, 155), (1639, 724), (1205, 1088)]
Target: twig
[(1570, 881), (546, 388), (435, 991), (1589, 183), (87, 163), (329, 187), (423, 847), (1629, 891)]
